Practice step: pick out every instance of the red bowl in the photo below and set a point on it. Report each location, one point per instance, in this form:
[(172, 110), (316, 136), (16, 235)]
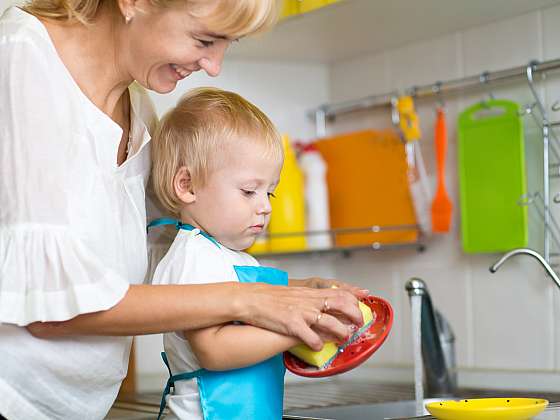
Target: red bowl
[(358, 351)]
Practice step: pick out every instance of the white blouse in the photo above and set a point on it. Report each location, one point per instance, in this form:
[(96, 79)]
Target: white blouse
[(72, 227)]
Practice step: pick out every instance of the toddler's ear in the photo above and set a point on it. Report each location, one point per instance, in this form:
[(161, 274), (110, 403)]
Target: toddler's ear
[(183, 186)]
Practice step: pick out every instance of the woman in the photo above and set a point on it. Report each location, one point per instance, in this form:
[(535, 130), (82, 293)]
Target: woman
[(74, 153)]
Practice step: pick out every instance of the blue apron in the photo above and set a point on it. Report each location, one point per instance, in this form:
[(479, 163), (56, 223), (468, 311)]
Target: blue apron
[(253, 392)]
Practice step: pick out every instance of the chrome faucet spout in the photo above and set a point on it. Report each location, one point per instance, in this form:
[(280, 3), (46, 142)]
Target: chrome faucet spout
[(532, 253), (438, 348), (416, 287)]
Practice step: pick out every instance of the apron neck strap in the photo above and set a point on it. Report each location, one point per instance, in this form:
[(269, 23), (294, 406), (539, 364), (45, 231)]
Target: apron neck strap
[(162, 221)]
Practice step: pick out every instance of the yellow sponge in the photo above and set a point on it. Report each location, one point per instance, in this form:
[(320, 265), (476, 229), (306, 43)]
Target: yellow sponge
[(323, 357), (315, 358), (367, 315)]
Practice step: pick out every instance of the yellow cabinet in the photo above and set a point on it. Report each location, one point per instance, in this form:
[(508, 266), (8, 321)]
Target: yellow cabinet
[(295, 7), (309, 5), (289, 8)]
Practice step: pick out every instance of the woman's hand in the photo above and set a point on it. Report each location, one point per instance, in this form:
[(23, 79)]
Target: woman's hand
[(300, 311)]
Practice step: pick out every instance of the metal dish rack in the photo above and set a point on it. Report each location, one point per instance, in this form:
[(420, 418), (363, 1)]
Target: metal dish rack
[(346, 250), (541, 200)]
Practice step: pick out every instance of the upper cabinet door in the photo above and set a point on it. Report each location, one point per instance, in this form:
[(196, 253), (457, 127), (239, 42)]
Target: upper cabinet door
[(309, 5), (289, 8), (294, 7)]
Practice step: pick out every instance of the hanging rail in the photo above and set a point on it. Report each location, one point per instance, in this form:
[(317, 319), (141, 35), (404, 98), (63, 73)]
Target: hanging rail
[(327, 111)]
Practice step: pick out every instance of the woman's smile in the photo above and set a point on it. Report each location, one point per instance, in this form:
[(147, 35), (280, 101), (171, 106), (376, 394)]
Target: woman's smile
[(180, 72)]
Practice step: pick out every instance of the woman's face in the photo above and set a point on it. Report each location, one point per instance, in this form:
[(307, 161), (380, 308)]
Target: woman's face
[(166, 44)]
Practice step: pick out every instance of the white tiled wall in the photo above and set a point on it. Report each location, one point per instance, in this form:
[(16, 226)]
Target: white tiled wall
[(285, 91), (504, 322)]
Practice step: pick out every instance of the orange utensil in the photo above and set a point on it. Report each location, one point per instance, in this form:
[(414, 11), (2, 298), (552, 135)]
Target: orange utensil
[(441, 205)]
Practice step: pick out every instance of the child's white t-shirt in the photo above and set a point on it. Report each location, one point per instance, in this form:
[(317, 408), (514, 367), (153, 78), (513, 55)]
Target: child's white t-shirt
[(192, 259)]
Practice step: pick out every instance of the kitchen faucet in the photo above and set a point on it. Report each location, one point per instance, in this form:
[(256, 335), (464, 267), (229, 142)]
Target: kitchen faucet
[(438, 344), (533, 254)]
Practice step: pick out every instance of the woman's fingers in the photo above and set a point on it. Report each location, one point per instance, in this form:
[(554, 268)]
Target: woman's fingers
[(337, 302), (308, 336), (296, 311), (342, 302), (324, 327), (359, 292), (320, 283), (332, 329)]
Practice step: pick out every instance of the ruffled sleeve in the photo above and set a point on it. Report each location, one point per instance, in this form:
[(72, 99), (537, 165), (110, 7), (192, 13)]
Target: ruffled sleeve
[(47, 270), (47, 274)]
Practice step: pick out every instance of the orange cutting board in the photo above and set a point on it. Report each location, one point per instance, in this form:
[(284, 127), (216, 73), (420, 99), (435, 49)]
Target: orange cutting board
[(367, 182)]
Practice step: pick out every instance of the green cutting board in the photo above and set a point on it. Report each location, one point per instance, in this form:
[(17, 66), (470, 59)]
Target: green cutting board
[(492, 177)]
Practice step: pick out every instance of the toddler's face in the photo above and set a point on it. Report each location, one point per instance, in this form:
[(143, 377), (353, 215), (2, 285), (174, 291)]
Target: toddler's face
[(234, 205)]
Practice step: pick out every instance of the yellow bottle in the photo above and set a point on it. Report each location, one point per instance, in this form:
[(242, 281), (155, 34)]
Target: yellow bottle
[(288, 208), (260, 246)]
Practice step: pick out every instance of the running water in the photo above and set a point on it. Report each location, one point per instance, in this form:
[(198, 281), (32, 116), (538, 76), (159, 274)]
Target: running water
[(416, 305)]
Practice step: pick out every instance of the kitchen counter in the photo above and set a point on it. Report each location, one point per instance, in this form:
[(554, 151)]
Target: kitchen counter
[(401, 404), (552, 413), (332, 400), (399, 410)]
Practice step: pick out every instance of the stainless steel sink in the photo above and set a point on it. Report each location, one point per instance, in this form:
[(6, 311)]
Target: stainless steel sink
[(399, 410), (365, 401), (378, 411), (334, 399)]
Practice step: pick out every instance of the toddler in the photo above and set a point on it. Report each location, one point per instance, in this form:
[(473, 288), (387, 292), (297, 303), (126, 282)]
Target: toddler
[(216, 162)]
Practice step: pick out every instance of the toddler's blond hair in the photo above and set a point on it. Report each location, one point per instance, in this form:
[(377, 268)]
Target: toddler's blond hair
[(194, 133)]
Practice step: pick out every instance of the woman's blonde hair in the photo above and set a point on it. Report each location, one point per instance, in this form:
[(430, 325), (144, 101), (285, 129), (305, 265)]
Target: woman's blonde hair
[(235, 18), (195, 133)]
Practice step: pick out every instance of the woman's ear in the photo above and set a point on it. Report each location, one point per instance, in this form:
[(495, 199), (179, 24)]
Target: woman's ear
[(183, 186), (129, 9), (126, 8)]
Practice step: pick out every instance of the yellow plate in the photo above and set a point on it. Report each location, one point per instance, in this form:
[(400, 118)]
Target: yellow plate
[(487, 409)]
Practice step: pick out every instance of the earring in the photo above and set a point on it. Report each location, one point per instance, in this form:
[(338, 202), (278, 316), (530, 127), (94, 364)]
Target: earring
[(127, 19)]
